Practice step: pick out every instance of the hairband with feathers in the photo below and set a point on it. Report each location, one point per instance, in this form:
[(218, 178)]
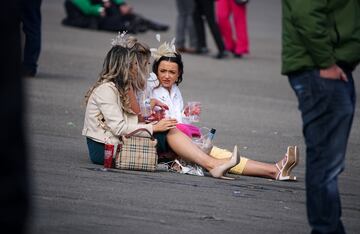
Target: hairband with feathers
[(165, 49)]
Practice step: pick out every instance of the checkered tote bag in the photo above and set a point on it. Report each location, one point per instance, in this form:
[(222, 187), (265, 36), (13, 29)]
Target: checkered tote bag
[(137, 153)]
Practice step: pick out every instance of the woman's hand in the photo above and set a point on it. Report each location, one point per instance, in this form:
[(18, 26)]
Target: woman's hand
[(158, 110), (154, 102), (164, 125)]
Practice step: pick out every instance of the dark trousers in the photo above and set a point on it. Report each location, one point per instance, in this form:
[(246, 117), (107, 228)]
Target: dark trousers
[(15, 193), (206, 8), (113, 21), (327, 108), (74, 17), (96, 151), (31, 21)]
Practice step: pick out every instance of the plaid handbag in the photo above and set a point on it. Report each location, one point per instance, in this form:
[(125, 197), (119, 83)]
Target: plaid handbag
[(137, 153)]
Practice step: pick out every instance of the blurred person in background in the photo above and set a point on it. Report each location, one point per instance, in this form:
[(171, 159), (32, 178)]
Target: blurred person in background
[(236, 9), (14, 178), (185, 26), (31, 26), (109, 15), (206, 9)]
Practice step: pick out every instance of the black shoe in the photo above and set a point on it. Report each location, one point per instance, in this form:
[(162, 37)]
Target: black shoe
[(221, 55), (157, 26), (202, 50), (237, 55), (141, 28)]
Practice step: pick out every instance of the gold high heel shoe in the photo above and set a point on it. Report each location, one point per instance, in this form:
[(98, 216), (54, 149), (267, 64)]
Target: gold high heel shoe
[(220, 171), (290, 160)]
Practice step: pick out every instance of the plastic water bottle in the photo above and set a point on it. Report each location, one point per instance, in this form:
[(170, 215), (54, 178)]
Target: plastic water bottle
[(145, 108), (208, 142)]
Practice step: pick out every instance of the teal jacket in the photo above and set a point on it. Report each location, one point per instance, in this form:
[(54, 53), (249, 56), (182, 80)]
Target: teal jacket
[(319, 33), (89, 7)]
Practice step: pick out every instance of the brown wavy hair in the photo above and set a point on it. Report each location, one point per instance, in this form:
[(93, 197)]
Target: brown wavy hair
[(125, 66), (139, 54), (115, 69)]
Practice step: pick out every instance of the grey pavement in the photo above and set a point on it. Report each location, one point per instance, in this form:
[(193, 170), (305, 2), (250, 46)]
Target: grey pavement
[(246, 100)]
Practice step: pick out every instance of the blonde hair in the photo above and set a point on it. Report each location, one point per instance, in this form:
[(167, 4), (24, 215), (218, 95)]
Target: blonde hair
[(115, 69), (118, 63), (139, 54)]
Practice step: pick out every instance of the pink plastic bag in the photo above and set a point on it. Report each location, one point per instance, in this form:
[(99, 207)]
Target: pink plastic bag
[(189, 129)]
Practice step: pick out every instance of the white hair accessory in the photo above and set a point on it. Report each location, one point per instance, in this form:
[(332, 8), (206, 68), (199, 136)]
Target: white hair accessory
[(166, 49), (120, 39)]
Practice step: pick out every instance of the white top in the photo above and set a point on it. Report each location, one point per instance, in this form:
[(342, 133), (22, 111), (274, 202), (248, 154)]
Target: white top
[(172, 99), (143, 97), (151, 83)]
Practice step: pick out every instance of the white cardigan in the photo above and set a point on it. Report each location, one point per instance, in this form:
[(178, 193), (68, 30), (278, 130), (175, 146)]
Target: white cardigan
[(104, 103)]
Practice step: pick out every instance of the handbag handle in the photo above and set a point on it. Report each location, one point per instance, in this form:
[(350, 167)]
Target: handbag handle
[(138, 130)]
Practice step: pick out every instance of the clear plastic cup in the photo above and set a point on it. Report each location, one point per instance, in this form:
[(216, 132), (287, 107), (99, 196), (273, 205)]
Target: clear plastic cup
[(194, 110)]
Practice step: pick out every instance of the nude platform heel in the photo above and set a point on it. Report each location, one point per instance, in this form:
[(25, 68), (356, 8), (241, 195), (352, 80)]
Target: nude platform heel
[(220, 171), (287, 164)]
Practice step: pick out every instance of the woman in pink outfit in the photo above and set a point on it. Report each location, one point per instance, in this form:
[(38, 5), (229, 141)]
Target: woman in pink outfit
[(224, 9)]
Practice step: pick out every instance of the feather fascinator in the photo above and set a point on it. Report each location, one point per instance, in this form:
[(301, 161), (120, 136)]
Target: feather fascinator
[(165, 49)]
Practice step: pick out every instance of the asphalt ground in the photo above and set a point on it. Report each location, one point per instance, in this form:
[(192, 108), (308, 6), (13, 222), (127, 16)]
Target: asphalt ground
[(246, 100)]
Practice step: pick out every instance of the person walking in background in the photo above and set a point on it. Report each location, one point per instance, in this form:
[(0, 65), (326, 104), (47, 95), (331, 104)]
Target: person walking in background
[(205, 8), (15, 196), (31, 25), (320, 49), (224, 9), (185, 25)]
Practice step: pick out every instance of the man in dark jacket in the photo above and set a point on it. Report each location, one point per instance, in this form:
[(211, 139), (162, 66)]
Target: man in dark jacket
[(321, 48)]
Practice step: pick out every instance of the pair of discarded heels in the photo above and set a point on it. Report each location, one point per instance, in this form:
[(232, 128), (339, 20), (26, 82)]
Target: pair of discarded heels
[(220, 171), (286, 165)]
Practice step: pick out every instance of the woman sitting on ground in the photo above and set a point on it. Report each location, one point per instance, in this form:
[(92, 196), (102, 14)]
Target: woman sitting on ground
[(169, 69), (110, 103)]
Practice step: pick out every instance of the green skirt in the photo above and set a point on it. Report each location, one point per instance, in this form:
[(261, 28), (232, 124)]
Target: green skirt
[(162, 145)]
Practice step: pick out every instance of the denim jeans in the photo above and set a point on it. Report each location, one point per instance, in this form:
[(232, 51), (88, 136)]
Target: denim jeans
[(327, 109)]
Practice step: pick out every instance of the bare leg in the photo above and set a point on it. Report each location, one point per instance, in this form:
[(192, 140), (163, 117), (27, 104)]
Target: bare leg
[(186, 149), (279, 171), (260, 169)]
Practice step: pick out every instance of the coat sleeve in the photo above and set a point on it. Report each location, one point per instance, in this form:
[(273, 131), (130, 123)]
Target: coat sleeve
[(107, 102), (87, 7), (119, 2), (311, 22)]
